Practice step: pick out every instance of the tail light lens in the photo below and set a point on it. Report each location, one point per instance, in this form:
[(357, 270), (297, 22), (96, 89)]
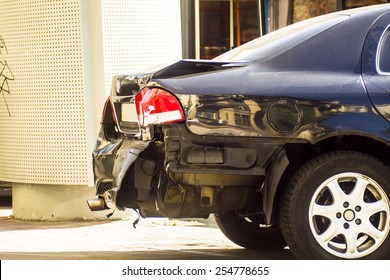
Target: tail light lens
[(158, 106)]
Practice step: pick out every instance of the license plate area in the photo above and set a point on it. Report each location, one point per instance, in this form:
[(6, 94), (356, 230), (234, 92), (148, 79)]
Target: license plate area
[(126, 115), (129, 113)]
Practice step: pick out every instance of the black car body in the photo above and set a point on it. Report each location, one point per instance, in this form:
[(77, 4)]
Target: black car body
[(286, 138)]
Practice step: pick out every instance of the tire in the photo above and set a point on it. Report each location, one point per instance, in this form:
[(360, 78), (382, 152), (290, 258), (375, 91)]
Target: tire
[(337, 207), (248, 233)]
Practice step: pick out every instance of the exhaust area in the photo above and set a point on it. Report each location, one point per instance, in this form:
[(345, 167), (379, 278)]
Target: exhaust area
[(96, 204)]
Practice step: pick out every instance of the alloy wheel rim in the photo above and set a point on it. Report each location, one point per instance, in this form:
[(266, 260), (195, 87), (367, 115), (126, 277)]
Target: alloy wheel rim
[(349, 215)]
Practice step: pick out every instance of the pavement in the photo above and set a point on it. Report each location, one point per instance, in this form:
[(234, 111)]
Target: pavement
[(157, 238), (187, 243)]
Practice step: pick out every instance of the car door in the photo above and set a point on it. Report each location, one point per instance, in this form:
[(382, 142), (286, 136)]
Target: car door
[(376, 65)]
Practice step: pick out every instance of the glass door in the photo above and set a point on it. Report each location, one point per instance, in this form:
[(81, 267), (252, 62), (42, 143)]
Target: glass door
[(213, 27), (221, 25)]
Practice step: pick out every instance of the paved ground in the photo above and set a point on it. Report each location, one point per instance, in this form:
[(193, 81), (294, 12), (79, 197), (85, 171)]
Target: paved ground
[(153, 239)]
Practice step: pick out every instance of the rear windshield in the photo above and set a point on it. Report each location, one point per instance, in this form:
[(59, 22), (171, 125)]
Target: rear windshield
[(384, 53), (277, 42)]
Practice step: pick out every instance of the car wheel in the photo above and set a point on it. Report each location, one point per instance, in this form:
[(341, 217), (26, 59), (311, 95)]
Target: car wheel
[(248, 232), (337, 207)]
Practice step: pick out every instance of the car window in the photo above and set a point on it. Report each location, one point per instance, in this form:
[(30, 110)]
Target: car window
[(277, 42), (384, 53)]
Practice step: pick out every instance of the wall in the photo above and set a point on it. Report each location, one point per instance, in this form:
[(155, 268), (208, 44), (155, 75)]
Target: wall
[(139, 33), (42, 116), (57, 60)]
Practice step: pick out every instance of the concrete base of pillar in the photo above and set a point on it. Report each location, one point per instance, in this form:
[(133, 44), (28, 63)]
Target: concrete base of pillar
[(48, 202)]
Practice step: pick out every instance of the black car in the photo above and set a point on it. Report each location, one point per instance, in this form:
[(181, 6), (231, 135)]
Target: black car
[(285, 139)]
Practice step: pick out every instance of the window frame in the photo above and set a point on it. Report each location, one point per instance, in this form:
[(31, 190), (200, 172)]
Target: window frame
[(385, 35)]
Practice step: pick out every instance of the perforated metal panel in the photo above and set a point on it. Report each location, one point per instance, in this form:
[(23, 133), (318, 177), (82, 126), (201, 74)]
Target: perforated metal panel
[(42, 131), (139, 33), (49, 89)]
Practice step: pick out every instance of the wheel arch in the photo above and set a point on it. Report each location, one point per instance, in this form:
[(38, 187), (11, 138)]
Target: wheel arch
[(294, 155)]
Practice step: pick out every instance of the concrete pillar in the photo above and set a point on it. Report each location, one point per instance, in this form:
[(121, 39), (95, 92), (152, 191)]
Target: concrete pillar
[(50, 203), (58, 62)]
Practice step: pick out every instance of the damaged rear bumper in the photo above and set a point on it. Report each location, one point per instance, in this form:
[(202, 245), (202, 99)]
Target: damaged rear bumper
[(111, 162)]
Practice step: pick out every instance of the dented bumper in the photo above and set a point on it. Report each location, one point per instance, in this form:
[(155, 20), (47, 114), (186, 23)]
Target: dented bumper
[(111, 161)]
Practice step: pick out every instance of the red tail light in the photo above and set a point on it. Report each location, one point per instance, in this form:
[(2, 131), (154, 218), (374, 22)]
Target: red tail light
[(157, 106)]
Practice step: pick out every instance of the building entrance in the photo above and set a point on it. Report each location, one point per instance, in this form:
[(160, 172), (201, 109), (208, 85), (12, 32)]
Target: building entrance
[(224, 24), (212, 27)]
